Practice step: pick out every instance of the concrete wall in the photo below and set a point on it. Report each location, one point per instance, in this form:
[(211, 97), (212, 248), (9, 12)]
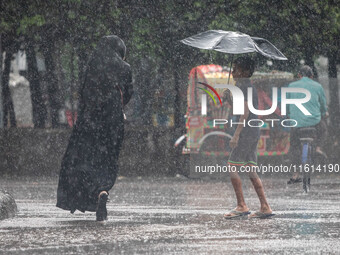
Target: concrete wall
[(29, 151)]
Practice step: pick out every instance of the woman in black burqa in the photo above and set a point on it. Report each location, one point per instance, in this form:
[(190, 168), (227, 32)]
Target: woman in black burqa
[(90, 164)]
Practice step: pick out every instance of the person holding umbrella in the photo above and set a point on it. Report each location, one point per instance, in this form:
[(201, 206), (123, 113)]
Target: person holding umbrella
[(90, 165), (244, 141), (244, 145)]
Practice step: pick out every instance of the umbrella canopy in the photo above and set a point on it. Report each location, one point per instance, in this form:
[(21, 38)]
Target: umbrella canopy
[(233, 43)]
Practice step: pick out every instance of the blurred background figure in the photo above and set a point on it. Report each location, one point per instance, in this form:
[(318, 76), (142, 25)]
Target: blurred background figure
[(317, 106)]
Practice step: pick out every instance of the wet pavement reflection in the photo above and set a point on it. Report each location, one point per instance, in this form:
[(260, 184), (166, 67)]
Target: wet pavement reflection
[(175, 215)]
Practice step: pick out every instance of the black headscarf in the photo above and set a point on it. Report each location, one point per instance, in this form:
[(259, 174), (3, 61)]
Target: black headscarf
[(110, 47), (107, 74)]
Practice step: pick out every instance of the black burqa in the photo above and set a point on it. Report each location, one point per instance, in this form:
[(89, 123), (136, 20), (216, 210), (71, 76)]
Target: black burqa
[(90, 163)]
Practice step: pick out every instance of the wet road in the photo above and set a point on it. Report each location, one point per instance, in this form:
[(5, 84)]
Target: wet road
[(175, 215)]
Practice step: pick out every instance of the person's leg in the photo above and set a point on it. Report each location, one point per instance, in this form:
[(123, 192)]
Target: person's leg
[(237, 185), (103, 192), (321, 136), (295, 154), (257, 183), (236, 159), (101, 212)]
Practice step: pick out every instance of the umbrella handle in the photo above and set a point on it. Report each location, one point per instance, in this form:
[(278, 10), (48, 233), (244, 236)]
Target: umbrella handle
[(231, 63)]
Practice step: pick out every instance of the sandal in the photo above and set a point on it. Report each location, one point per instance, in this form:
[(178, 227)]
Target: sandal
[(260, 215), (235, 214)]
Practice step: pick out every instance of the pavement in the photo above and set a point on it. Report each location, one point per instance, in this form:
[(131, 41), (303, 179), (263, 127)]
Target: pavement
[(175, 215)]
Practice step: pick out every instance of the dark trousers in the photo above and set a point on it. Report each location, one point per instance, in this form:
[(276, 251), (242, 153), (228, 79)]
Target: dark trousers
[(295, 149)]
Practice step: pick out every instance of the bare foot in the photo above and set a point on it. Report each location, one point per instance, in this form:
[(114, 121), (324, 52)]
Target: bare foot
[(266, 210), (239, 209)]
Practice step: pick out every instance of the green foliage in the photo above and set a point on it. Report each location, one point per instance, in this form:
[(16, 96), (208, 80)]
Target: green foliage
[(152, 31), (29, 23), (300, 29), (68, 62)]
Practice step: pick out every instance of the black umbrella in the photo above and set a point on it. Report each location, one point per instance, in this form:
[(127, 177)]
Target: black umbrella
[(233, 43)]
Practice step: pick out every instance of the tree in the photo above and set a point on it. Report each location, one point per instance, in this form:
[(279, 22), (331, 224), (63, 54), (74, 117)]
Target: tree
[(152, 30), (38, 106), (301, 29), (8, 108)]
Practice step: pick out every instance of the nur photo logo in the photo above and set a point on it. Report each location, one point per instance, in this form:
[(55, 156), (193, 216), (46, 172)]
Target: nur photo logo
[(239, 99)]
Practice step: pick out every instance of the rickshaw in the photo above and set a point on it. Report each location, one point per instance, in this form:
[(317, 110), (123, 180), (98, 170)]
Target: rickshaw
[(203, 137)]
